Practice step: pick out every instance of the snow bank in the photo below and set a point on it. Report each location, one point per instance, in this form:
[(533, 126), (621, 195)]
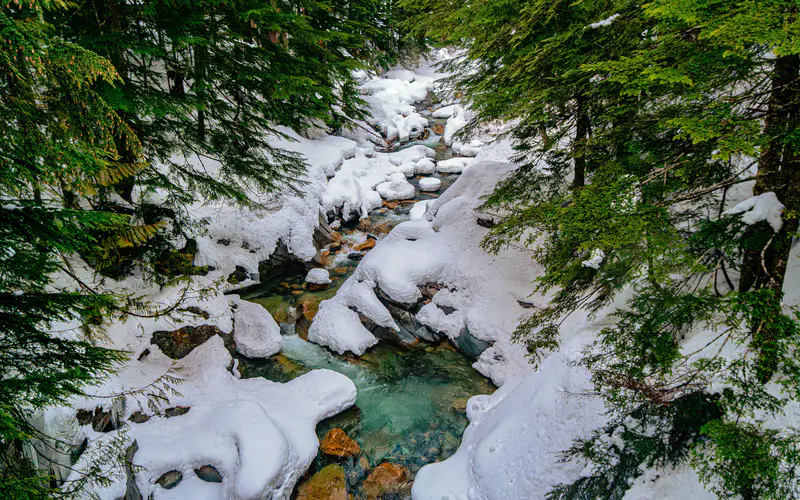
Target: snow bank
[(237, 236)]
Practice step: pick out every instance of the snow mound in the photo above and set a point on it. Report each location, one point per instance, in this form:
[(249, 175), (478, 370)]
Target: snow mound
[(453, 165), (256, 334), (318, 276), (457, 121), (430, 184), (425, 166), (397, 188)]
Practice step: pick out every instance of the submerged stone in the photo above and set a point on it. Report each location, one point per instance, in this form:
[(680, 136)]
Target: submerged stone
[(328, 484), (386, 479), (338, 444)]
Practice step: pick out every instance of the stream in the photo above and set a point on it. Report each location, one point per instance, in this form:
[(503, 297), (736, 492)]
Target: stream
[(410, 408)]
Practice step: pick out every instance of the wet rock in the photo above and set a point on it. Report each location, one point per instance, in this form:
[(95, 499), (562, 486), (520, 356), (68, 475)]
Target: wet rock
[(170, 479), (438, 128), (468, 344), (460, 404), (301, 327), (224, 242), (430, 289), (209, 474), (179, 343), (327, 484), (526, 305), (176, 411), (401, 338), (367, 245), (386, 479), (338, 444), (355, 256), (281, 263)]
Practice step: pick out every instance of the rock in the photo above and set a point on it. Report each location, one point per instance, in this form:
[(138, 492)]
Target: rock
[(179, 343), (323, 234), (486, 222), (101, 420), (386, 479), (453, 165), (438, 128), (176, 411), (430, 184), (209, 474), (355, 256), (301, 327), (340, 270), (468, 344), (170, 479), (138, 417), (367, 245), (132, 491), (460, 404), (239, 275), (327, 484), (281, 263), (338, 444), (408, 168)]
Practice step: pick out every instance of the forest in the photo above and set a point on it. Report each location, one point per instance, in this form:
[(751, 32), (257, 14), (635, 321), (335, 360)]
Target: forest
[(400, 249)]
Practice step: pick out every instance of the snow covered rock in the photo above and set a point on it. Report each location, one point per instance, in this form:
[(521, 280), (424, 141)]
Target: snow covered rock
[(408, 168), (318, 276), (444, 112), (256, 334), (418, 210), (425, 166), (453, 165), (457, 121), (430, 184), (397, 188), (472, 149)]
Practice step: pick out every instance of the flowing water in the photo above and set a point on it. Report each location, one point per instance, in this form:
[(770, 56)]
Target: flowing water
[(410, 408)]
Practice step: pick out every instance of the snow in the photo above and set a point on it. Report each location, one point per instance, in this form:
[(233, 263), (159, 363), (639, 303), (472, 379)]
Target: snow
[(764, 207), (457, 121), (396, 188), (605, 22), (453, 165), (595, 260), (318, 276), (430, 184), (444, 112), (425, 166), (471, 149), (256, 334), (418, 210)]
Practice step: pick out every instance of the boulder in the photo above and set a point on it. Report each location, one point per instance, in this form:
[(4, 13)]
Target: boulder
[(430, 184), (386, 479), (328, 484), (338, 444), (396, 188), (179, 343), (170, 479), (425, 166), (209, 474), (367, 245)]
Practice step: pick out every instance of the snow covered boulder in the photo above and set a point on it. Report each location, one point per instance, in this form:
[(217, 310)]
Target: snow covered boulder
[(397, 188), (401, 74), (444, 112), (430, 184), (418, 210), (425, 166), (318, 276), (453, 165), (256, 334), (459, 119), (408, 168), (472, 149)]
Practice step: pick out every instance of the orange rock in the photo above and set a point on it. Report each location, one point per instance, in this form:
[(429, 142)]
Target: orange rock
[(296, 292), (328, 484), (367, 245), (340, 270), (438, 128), (391, 205), (386, 478), (308, 307), (337, 443)]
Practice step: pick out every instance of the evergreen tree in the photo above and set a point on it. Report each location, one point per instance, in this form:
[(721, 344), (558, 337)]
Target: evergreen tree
[(59, 148), (665, 107)]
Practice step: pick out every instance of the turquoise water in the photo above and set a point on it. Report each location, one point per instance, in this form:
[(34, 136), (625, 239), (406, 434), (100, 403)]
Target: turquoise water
[(410, 407)]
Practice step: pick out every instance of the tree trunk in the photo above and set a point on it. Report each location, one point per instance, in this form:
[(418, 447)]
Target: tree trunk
[(581, 134), (778, 172)]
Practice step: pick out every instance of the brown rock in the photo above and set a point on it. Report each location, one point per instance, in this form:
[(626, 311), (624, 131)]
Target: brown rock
[(301, 327), (460, 404), (340, 270), (367, 245), (337, 443), (315, 287), (327, 484), (386, 478), (297, 292), (438, 128), (391, 205)]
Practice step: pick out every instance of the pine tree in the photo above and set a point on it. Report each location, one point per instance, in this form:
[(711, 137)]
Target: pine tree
[(685, 99), (59, 147)]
